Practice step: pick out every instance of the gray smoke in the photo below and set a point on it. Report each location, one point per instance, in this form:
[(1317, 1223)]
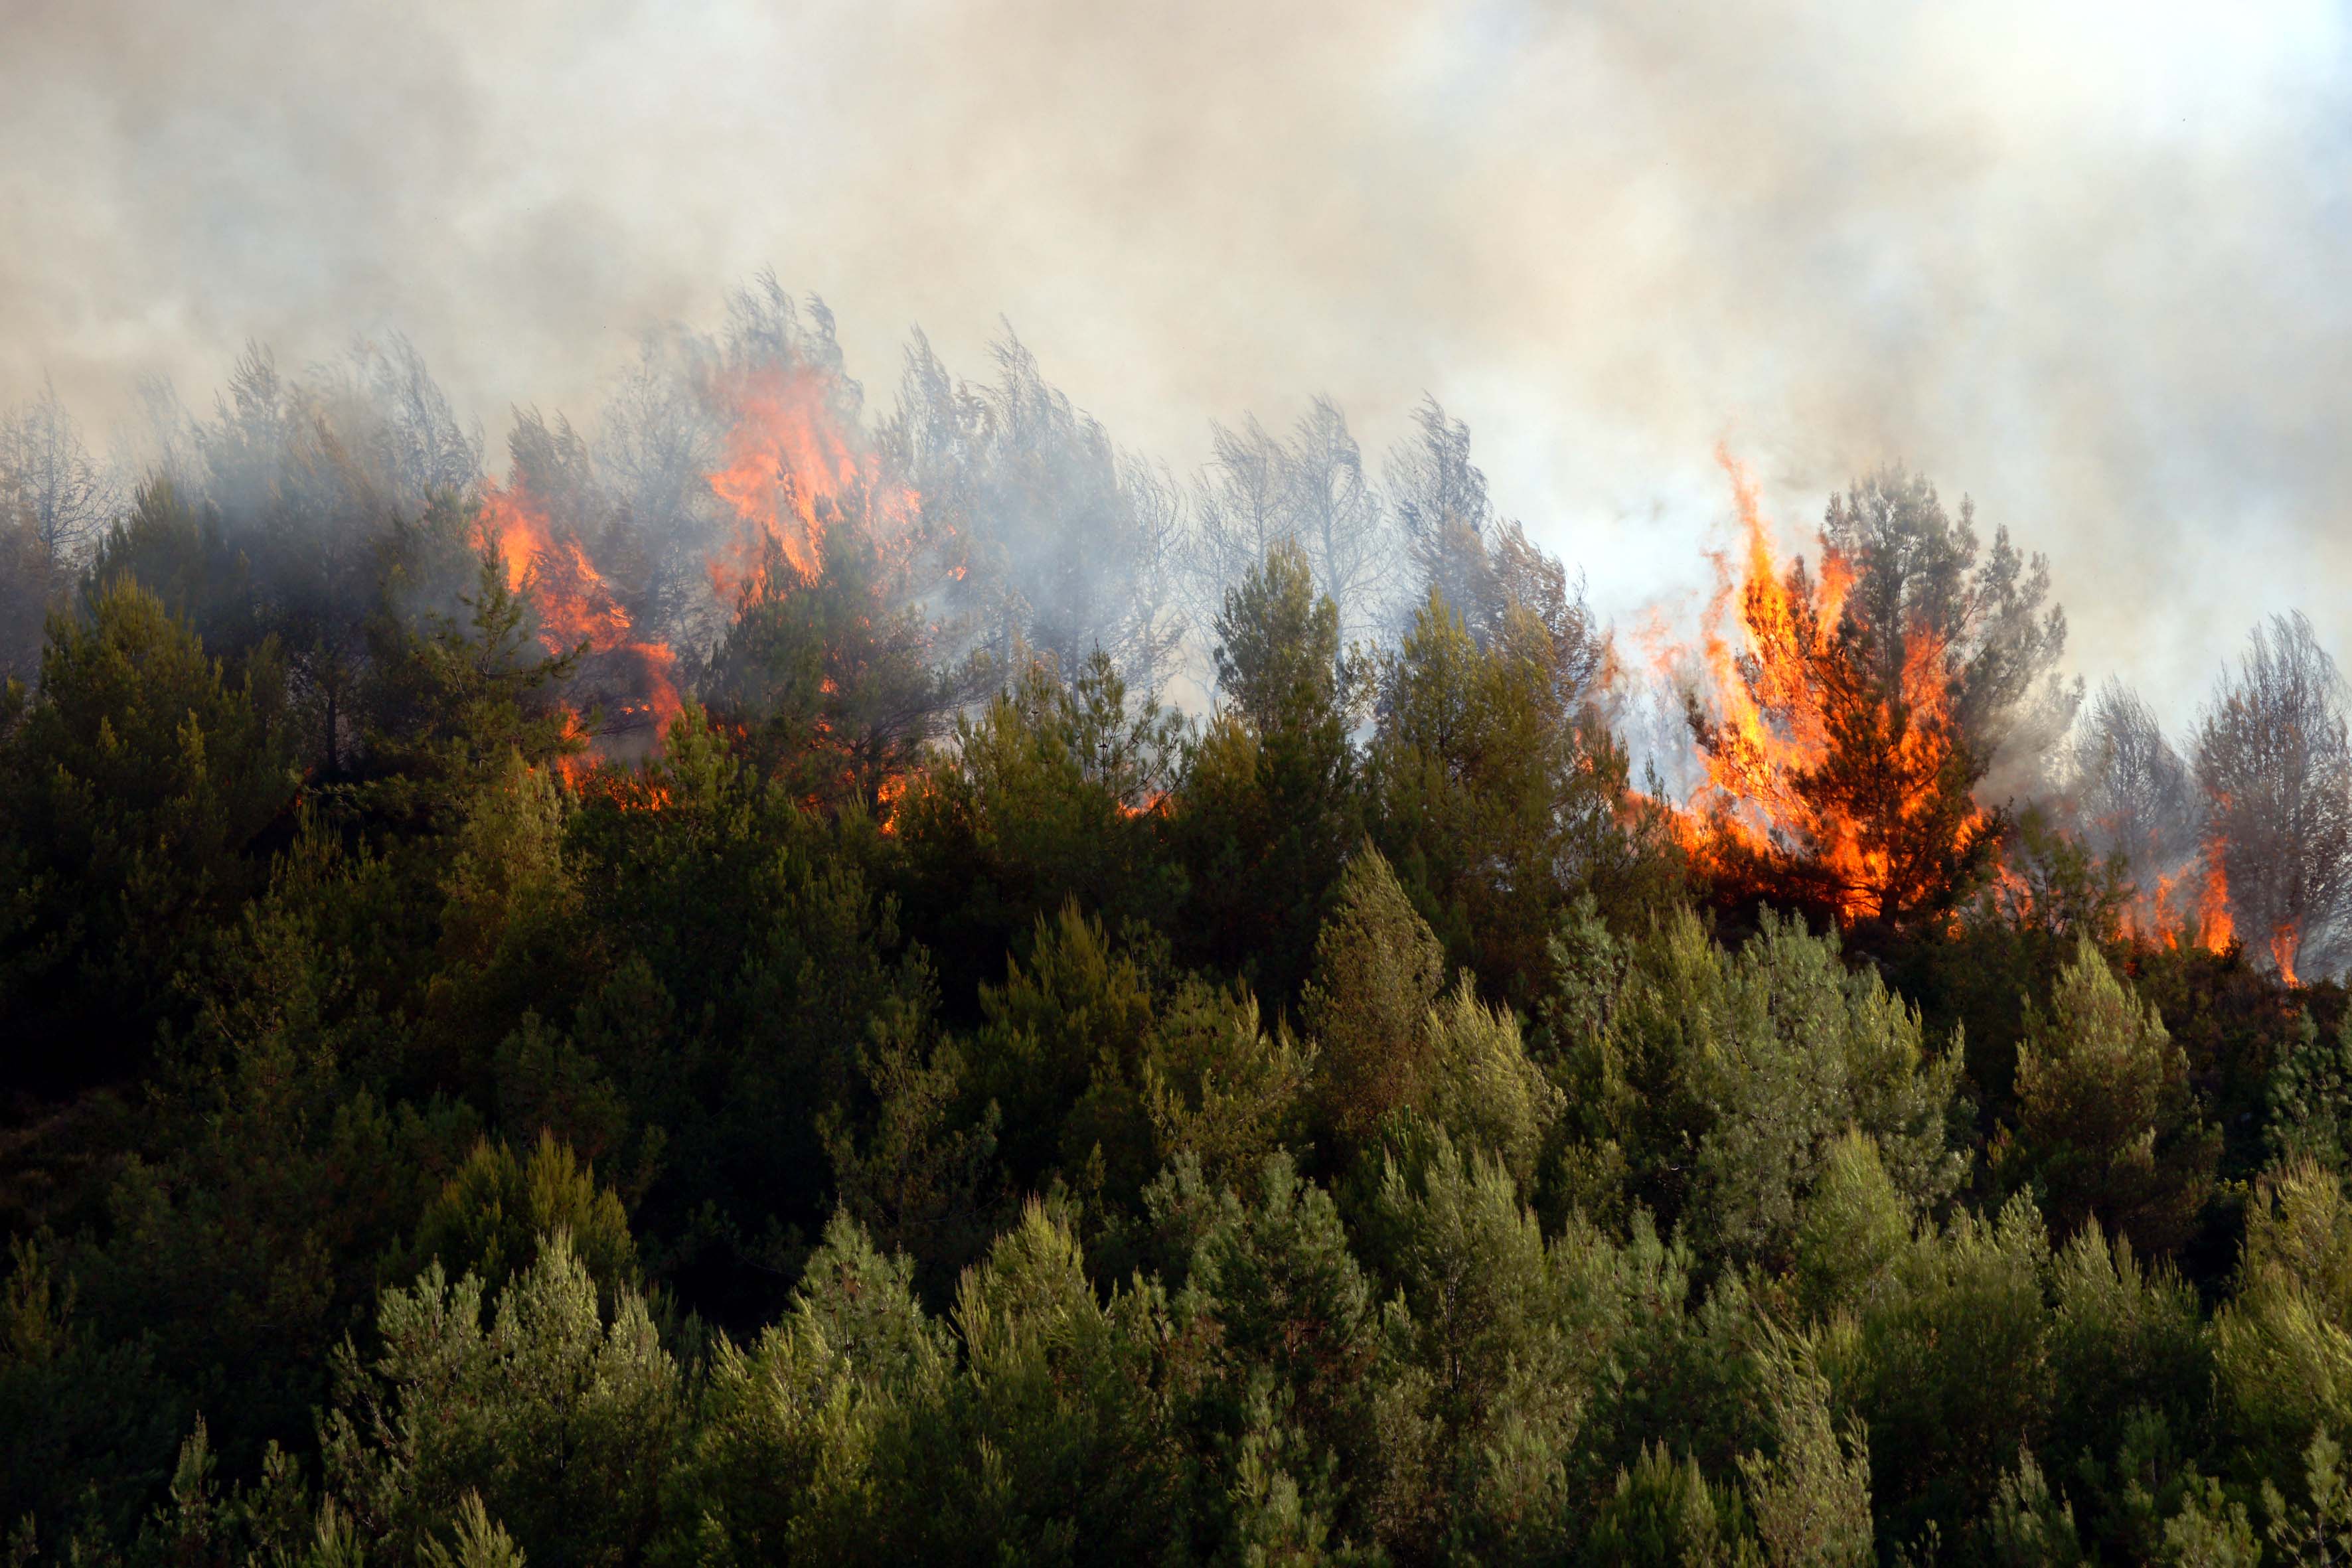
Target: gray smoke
[(2084, 265)]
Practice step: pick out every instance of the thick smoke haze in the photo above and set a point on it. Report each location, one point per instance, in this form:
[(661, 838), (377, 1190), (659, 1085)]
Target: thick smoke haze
[(2086, 264)]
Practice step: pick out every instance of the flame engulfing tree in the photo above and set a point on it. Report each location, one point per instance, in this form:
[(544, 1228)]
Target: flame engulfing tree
[(828, 681), (1859, 711), (2134, 800), (2274, 759)]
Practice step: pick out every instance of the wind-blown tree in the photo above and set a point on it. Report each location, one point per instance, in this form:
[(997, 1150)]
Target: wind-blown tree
[(2132, 793), (2274, 759), (1386, 1044), (324, 486), (1241, 510), (1062, 543), (55, 501), (449, 703), (1483, 564), (1106, 1066), (1340, 522), (1378, 972), (2282, 1357), (831, 688), (1948, 1358), (2309, 1114), (1443, 507), (31, 585), (371, 430), (1716, 1087), (1311, 492), (1918, 575), (2106, 1126), (159, 439), (178, 548), (1498, 796), (130, 792), (654, 447), (1054, 791), (559, 1420), (746, 964)]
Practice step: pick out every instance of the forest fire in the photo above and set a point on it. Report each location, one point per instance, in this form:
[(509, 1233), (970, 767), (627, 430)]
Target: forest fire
[(2190, 907), (734, 939), (2284, 942), (1772, 726), (1840, 767), (578, 610), (1822, 747), (789, 472)]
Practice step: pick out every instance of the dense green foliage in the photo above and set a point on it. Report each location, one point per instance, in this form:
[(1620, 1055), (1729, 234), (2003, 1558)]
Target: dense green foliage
[(1330, 1132)]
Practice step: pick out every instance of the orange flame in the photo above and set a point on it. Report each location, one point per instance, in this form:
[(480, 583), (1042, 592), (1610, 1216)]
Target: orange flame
[(1771, 648), (2207, 923), (2212, 925), (888, 799), (576, 608), (2189, 908), (2284, 943), (790, 470)]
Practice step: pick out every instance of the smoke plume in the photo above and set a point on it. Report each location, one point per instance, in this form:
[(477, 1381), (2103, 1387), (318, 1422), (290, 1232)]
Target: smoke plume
[(2081, 265)]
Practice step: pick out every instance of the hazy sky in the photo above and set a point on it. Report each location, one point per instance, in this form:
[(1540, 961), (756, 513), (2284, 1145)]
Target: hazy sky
[(2088, 263)]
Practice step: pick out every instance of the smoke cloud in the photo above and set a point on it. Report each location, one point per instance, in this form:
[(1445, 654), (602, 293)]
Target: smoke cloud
[(2084, 264)]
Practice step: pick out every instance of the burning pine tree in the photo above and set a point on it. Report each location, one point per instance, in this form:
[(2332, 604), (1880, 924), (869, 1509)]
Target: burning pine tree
[(814, 565), (1855, 715)]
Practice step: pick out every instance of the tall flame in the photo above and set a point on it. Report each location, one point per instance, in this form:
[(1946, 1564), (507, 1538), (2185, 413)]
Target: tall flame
[(789, 472), (1783, 702), (2285, 940), (1770, 723), (2187, 907)]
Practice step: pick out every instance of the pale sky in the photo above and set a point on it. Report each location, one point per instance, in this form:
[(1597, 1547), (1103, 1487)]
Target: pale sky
[(2088, 263)]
